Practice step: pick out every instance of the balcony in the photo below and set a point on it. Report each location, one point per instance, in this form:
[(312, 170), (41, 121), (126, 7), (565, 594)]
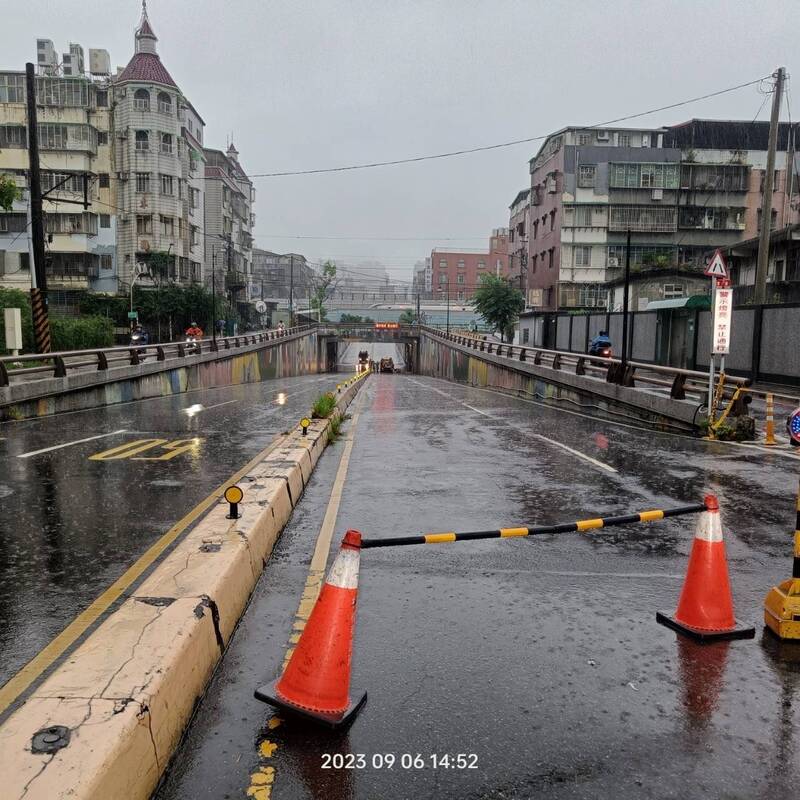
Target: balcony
[(234, 280), (643, 219)]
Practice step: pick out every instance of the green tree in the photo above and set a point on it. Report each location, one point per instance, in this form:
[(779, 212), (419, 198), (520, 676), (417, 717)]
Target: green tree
[(9, 192), (324, 286), (499, 303), (408, 317)]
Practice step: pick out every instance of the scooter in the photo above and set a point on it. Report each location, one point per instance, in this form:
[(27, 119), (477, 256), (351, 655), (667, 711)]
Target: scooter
[(191, 345), (139, 339), (603, 351)]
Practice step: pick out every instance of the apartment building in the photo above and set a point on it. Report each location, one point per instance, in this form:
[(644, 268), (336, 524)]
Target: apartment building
[(681, 191), (275, 273), (518, 225), (159, 165), (458, 272), (74, 124), (229, 221)]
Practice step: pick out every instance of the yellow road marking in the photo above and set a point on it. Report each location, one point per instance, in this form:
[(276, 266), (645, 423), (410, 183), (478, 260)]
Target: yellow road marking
[(128, 449), (506, 532), (260, 788), (173, 449), (10, 691), (589, 524), (436, 538), (649, 516)]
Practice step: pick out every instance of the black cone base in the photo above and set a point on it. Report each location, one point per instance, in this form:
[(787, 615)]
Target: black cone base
[(739, 632), (268, 694)]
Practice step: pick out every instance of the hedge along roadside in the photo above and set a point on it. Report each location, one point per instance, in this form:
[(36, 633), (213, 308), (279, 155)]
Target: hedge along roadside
[(129, 690)]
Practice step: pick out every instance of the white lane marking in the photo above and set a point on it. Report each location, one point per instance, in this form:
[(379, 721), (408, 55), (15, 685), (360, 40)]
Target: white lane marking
[(69, 444), (537, 435), (217, 405), (576, 453)]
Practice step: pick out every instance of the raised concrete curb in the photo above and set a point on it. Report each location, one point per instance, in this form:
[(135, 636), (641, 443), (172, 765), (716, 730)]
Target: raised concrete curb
[(129, 690)]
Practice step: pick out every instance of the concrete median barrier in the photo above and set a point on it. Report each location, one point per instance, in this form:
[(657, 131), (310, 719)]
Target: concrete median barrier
[(126, 694)]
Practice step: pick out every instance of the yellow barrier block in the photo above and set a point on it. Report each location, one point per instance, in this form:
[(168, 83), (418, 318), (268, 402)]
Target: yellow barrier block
[(651, 516), (589, 524)]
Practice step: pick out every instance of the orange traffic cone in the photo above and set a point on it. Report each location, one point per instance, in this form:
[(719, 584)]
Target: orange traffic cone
[(316, 681), (705, 607)]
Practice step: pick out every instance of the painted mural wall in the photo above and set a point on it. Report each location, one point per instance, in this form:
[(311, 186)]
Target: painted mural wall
[(294, 357)]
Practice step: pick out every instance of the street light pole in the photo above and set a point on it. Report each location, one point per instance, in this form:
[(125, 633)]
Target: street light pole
[(214, 295), (624, 359)]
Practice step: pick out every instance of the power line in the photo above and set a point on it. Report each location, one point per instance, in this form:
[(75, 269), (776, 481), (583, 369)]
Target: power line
[(378, 238), (485, 148)]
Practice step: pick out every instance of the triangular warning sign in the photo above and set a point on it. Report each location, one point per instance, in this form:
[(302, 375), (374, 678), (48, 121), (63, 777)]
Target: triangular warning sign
[(716, 267)]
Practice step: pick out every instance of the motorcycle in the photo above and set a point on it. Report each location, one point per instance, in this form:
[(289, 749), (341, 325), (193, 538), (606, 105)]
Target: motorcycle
[(141, 340), (602, 351), (191, 346)]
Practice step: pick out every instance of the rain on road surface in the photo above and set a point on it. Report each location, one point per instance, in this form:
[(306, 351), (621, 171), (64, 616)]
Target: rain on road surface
[(71, 524), (540, 656)]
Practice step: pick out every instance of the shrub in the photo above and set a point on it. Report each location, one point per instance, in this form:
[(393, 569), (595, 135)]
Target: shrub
[(84, 333), (323, 406)]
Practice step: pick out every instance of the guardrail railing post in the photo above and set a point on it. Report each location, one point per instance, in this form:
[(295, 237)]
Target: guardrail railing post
[(199, 347), (181, 350), (537, 357), (557, 361), (102, 361), (60, 370), (3, 374), (489, 347), (160, 356), (580, 368), (678, 390), (482, 345), (522, 354), (627, 378), (227, 344), (134, 356)]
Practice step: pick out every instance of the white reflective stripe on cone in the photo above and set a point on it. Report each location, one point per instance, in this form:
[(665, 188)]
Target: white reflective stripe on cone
[(709, 527), (344, 572)]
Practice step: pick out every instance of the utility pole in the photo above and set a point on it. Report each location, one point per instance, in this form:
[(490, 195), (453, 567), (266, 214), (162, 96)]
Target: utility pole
[(623, 367), (291, 289), (766, 199), (41, 323), (214, 294)]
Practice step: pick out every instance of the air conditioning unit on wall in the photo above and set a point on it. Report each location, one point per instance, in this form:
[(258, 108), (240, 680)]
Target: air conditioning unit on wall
[(658, 194), (602, 136)]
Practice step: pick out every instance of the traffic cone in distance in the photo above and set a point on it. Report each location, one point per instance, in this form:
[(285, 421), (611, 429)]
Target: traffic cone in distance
[(705, 607), (316, 681)]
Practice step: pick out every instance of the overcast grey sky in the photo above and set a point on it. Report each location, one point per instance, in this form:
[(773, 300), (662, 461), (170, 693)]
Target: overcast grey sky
[(302, 85)]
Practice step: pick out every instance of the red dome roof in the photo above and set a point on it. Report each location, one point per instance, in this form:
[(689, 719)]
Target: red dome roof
[(146, 67)]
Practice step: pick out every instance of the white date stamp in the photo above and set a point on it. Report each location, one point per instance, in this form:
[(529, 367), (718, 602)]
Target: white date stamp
[(399, 761)]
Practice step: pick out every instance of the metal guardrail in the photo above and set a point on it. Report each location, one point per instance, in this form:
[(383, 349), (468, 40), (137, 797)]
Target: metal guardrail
[(59, 364), (680, 381)]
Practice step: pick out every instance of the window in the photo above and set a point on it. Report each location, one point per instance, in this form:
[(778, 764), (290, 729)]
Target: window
[(534, 257), (13, 223), (180, 188), (550, 257), (672, 290), (535, 228), (142, 140), (101, 98), (481, 265), (642, 255), (13, 136), (586, 175), (141, 100), (773, 220), (460, 264), (62, 92), (12, 88), (193, 237), (164, 103), (62, 182), (442, 264), (525, 335), (106, 259), (584, 139), (552, 219), (144, 224), (102, 180), (624, 140), (442, 278), (142, 182), (167, 185), (194, 197), (647, 219), (460, 278), (636, 176), (167, 227), (583, 216), (105, 220), (102, 137), (53, 137), (24, 262), (166, 143), (583, 255)]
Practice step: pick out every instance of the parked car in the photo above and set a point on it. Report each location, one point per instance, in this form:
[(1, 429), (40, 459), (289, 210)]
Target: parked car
[(387, 365)]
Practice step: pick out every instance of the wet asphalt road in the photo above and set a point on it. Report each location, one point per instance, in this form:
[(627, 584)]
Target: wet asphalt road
[(540, 656), (71, 525)]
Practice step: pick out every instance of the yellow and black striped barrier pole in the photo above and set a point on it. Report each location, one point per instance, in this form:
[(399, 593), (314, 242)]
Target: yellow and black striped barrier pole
[(537, 530)]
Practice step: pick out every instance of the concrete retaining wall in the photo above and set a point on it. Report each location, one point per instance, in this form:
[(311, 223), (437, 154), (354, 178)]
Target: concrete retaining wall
[(441, 358), (293, 355), (129, 690)]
